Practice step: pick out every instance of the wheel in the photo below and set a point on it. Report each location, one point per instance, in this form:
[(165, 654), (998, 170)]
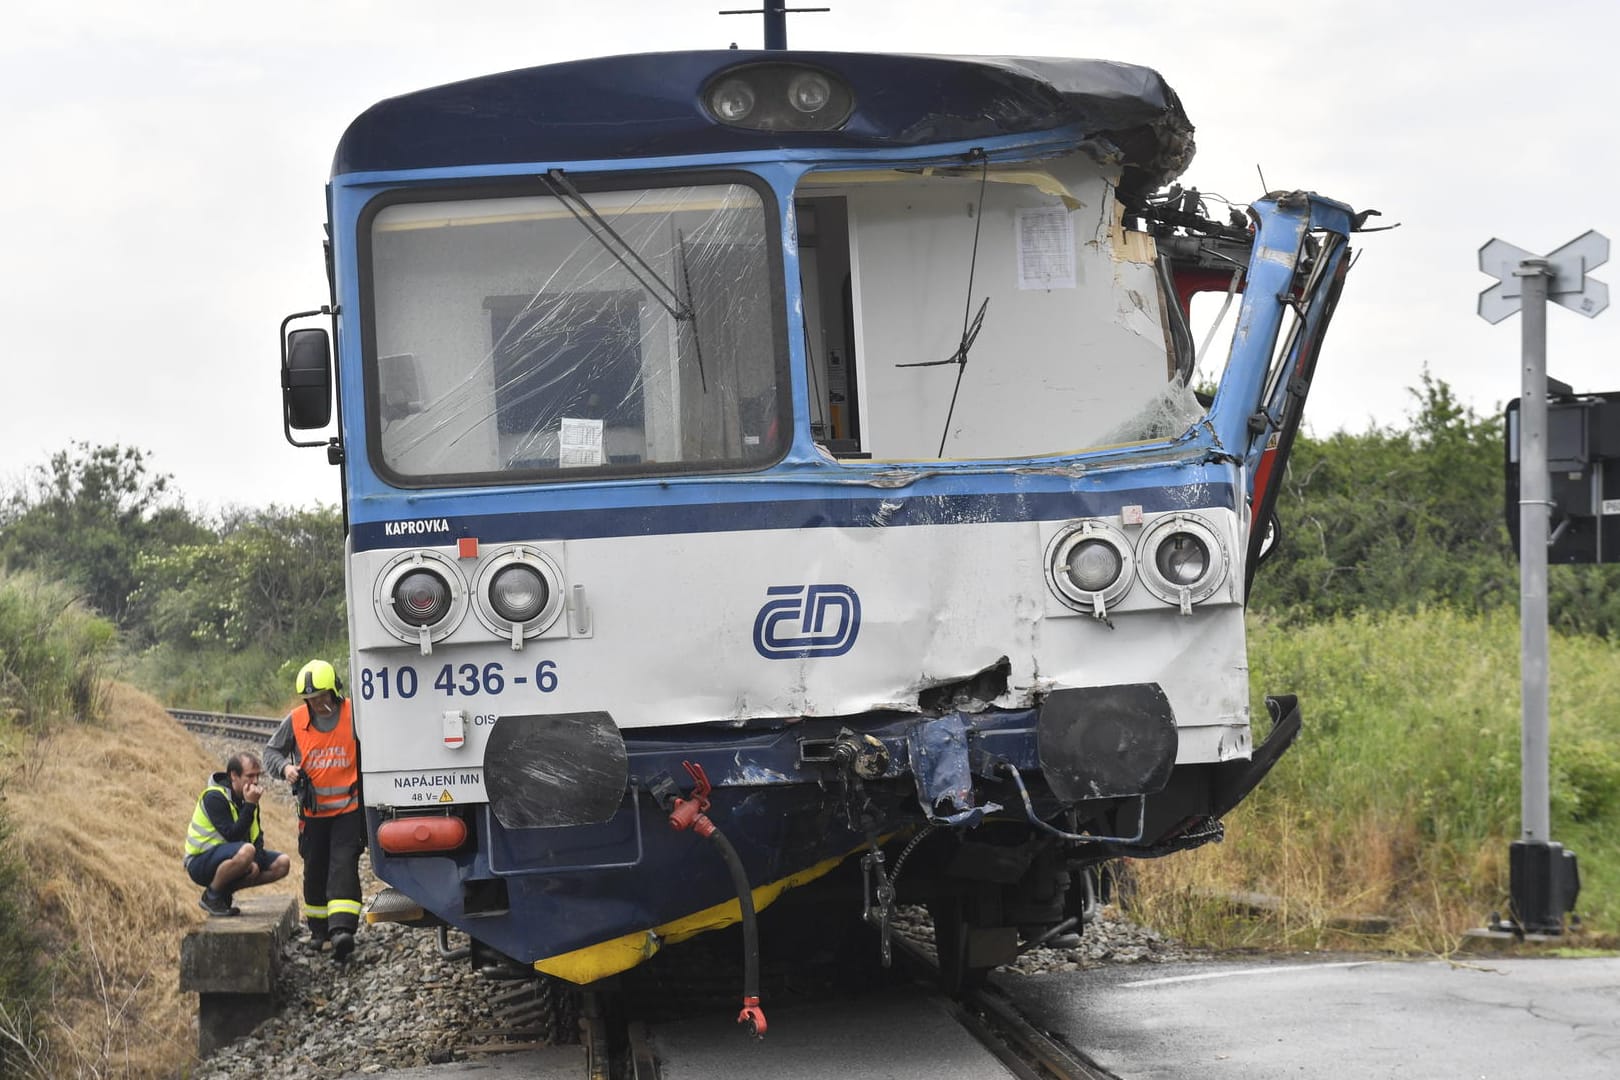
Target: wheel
[(952, 931)]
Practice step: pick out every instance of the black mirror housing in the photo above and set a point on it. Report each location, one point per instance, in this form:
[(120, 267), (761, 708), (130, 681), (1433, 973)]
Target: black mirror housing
[(306, 380)]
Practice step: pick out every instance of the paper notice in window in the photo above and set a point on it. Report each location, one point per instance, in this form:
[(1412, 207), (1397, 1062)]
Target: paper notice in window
[(579, 443), (1045, 248)]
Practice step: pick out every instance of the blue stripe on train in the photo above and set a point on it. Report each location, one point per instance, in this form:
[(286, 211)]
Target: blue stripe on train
[(876, 511)]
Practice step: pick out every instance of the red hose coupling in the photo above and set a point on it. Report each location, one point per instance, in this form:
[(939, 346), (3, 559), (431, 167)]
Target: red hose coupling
[(688, 814), (753, 1016)]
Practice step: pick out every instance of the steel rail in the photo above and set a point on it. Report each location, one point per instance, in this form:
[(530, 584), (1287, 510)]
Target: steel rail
[(228, 725), (1028, 1052)]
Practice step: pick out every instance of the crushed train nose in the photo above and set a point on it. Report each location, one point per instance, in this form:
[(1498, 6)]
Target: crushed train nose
[(1234, 780)]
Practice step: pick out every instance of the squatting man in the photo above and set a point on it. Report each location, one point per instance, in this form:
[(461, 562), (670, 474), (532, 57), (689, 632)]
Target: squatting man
[(225, 850)]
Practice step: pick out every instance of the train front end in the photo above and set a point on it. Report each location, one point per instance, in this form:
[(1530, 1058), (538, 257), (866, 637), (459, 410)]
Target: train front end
[(814, 444)]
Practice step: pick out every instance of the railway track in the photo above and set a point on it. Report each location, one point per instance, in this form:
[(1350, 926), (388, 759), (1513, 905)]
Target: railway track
[(1028, 1052), (226, 725), (623, 1045)]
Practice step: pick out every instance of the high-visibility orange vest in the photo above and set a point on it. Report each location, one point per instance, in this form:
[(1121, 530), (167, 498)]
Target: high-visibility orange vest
[(331, 761)]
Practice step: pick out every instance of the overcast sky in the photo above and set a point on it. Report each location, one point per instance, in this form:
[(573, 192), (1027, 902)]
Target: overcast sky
[(162, 168)]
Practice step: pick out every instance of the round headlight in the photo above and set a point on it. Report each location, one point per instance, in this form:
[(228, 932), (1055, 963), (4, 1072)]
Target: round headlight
[(1089, 566), (1093, 565), (421, 598), (518, 593), (809, 92), (732, 100), (1182, 558)]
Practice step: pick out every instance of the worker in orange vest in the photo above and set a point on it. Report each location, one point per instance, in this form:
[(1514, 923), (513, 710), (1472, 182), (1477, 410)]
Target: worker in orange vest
[(315, 750)]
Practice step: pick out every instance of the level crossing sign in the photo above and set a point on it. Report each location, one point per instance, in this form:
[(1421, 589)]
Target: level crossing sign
[(1568, 286)]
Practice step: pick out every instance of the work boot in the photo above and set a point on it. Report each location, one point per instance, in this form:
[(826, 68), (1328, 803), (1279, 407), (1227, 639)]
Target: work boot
[(317, 939), (342, 944), (217, 903)]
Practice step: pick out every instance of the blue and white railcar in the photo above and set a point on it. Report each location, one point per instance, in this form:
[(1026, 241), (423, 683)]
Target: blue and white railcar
[(808, 447)]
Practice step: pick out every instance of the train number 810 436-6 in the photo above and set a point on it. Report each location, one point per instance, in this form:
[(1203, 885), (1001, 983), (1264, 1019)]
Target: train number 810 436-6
[(452, 680)]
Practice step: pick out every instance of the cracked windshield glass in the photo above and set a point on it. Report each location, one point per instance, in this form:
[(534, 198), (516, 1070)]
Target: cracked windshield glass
[(617, 331)]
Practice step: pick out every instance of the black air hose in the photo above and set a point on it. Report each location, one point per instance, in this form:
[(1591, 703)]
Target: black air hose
[(745, 902)]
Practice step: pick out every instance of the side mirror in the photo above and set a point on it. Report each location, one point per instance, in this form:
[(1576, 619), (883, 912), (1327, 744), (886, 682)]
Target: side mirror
[(306, 379)]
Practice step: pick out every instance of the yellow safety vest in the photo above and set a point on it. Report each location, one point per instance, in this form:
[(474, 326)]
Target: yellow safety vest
[(202, 835)]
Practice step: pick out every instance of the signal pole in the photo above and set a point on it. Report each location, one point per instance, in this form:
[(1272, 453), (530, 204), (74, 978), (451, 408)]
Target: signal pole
[(1535, 507), (776, 13), (1544, 878)]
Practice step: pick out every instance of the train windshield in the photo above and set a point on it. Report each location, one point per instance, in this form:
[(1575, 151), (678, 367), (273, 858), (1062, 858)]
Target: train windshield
[(574, 333)]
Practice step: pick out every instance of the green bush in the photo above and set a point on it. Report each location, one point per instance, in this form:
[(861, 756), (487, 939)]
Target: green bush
[(53, 652)]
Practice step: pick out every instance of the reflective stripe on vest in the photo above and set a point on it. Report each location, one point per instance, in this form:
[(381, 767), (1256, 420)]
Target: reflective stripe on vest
[(202, 835), (328, 759)]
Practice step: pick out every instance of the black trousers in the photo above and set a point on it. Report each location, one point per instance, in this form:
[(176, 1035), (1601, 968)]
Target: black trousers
[(330, 848)]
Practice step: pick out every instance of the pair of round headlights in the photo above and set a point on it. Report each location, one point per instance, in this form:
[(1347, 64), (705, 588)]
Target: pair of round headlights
[(518, 591), (779, 97), (1179, 559)]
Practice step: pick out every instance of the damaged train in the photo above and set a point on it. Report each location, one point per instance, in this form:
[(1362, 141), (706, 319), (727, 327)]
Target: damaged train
[(756, 462)]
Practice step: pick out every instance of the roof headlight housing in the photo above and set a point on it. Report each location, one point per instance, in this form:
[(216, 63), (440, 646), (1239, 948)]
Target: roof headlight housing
[(1089, 565), (1183, 560), (777, 96)]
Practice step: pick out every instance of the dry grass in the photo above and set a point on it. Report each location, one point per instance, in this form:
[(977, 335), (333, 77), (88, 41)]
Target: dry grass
[(99, 815), (1319, 886)]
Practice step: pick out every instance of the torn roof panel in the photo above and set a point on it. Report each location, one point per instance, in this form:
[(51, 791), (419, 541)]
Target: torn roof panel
[(650, 105)]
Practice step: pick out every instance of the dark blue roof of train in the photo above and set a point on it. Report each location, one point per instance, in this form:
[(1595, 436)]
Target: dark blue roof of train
[(650, 105)]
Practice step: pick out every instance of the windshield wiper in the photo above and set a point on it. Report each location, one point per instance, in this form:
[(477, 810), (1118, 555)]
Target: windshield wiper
[(565, 192), (971, 324)]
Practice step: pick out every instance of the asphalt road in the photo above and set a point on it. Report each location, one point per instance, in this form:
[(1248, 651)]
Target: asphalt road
[(1300, 1018)]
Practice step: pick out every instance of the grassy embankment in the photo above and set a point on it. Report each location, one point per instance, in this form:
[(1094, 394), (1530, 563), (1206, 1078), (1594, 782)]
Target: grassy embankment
[(97, 783), (1402, 793)]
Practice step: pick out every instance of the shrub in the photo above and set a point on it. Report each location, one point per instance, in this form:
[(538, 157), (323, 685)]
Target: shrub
[(53, 652)]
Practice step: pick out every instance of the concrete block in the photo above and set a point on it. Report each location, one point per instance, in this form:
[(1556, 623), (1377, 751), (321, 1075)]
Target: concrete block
[(231, 963)]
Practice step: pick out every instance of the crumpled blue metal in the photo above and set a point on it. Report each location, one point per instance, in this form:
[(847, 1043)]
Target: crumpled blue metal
[(938, 750)]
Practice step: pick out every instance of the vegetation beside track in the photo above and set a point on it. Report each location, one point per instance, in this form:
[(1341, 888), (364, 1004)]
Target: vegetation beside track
[(97, 783), (1401, 795)]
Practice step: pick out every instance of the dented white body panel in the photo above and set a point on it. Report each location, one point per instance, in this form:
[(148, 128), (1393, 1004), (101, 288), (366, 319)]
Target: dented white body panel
[(679, 631)]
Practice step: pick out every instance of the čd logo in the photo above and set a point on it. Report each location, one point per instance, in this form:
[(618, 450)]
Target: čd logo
[(807, 620)]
